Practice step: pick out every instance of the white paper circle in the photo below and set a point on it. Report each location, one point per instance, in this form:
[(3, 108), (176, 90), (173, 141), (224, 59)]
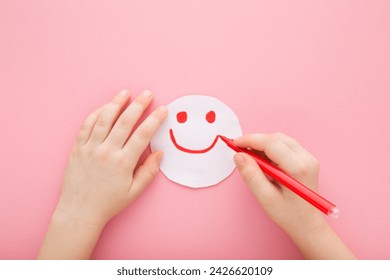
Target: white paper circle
[(193, 154)]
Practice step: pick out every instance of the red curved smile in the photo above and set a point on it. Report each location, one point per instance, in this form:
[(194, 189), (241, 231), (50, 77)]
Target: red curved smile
[(189, 150)]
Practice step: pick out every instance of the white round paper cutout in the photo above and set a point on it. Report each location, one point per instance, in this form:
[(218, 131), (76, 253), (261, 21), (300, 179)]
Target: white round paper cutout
[(194, 156)]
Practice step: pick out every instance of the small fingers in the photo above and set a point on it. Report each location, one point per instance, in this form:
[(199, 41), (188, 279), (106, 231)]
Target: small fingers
[(142, 136), (125, 123), (283, 150), (265, 192), (273, 146), (145, 174), (259, 141), (87, 127), (108, 117)]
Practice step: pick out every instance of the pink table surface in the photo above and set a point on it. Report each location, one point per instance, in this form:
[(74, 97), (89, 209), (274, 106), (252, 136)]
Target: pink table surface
[(316, 70)]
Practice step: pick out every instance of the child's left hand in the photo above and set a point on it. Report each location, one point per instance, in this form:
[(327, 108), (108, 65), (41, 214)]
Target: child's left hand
[(101, 178)]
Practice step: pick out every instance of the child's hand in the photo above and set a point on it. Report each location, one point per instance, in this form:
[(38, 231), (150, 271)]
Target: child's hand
[(287, 209), (303, 223), (101, 178)]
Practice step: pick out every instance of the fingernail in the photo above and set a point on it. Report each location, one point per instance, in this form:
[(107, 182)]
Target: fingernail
[(147, 93), (238, 159), (98, 110), (162, 109), (124, 92), (159, 155)]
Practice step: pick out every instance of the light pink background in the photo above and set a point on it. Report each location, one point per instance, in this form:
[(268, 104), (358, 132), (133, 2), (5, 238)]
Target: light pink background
[(317, 70)]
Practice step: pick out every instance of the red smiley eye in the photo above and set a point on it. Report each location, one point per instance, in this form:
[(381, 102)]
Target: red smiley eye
[(210, 116), (181, 117)]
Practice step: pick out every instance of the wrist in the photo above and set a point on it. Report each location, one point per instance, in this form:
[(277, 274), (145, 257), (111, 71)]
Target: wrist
[(309, 234), (82, 213), (69, 237), (306, 226), (320, 242), (68, 217)]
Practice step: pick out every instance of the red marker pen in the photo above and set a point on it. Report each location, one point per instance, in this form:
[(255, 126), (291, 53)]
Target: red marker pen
[(276, 173)]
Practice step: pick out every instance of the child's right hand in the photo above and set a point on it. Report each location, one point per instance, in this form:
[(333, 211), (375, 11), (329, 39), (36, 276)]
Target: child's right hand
[(303, 223), (288, 210)]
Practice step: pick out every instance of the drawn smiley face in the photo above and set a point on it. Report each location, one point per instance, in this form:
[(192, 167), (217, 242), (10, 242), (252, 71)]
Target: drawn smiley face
[(193, 154), (182, 118)]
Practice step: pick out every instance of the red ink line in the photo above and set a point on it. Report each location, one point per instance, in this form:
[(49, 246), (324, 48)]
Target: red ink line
[(189, 150)]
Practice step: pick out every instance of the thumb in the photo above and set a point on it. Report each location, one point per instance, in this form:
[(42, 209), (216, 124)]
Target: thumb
[(145, 174), (264, 191)]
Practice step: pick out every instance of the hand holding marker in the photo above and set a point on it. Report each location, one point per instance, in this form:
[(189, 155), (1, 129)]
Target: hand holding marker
[(276, 173)]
